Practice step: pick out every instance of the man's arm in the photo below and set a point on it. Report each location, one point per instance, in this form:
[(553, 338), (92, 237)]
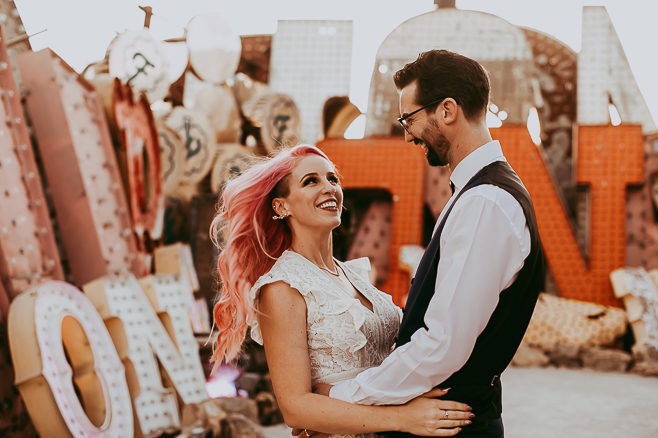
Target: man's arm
[(486, 241)]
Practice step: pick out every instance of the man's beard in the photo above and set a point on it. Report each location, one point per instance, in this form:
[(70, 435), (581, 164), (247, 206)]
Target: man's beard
[(436, 145)]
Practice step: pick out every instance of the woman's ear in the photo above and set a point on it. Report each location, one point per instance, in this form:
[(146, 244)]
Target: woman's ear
[(278, 207)]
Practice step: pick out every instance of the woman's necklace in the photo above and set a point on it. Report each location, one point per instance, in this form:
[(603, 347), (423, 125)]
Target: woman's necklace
[(334, 273)]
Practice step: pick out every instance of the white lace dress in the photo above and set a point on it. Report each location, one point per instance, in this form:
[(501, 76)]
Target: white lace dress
[(344, 337)]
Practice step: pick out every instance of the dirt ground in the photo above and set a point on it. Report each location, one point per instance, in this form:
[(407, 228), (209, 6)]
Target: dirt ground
[(564, 403)]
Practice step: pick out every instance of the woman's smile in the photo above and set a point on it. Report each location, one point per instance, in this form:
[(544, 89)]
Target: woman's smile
[(331, 205)]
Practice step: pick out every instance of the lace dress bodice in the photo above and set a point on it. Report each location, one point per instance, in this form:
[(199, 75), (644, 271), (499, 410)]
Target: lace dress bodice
[(344, 336)]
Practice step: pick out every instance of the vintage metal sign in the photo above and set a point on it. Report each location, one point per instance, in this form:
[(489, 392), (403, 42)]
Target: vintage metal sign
[(81, 169)]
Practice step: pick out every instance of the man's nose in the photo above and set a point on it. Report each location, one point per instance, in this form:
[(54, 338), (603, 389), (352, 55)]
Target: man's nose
[(408, 138)]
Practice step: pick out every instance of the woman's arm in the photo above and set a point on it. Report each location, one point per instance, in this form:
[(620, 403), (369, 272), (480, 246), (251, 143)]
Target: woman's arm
[(282, 318)]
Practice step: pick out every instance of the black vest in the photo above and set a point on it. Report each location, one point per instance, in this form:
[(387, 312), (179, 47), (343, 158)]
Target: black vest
[(477, 383)]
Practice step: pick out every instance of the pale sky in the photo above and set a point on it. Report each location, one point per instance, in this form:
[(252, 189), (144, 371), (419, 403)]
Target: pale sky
[(80, 30)]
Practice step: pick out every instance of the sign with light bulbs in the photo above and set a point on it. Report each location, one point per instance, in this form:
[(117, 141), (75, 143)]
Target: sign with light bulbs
[(105, 341), (46, 325)]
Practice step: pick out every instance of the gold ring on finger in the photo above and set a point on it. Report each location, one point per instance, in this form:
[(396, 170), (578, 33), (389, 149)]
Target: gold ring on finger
[(445, 414)]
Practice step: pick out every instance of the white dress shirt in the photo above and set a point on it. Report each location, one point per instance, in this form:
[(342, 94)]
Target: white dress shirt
[(483, 245)]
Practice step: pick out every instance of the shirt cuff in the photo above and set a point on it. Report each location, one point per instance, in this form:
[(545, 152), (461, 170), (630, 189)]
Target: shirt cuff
[(343, 391)]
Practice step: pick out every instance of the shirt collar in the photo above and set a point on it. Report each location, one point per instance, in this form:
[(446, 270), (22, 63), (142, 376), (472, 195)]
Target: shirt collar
[(476, 160)]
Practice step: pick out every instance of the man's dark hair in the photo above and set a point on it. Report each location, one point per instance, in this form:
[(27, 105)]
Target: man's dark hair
[(441, 73)]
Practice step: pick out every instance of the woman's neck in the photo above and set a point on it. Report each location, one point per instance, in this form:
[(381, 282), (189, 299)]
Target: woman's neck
[(316, 247)]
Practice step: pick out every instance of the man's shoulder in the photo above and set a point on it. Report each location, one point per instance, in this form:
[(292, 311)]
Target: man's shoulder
[(490, 199), (489, 193)]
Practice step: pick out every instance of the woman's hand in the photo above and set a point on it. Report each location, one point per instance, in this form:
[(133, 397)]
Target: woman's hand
[(427, 416)]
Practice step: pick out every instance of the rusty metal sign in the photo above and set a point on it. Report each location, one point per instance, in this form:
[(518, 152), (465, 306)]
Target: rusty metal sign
[(373, 238), (28, 251), (81, 169), (12, 27), (437, 188), (142, 162), (255, 58), (556, 70), (641, 208)]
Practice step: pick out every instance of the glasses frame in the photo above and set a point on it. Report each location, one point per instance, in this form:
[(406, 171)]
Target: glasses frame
[(403, 120)]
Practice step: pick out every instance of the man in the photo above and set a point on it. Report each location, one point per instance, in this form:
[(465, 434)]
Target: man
[(477, 284)]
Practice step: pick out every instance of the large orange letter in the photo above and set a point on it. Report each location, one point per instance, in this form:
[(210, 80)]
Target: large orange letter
[(608, 159)]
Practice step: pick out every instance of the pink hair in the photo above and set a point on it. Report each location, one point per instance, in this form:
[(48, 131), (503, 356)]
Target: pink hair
[(253, 243)]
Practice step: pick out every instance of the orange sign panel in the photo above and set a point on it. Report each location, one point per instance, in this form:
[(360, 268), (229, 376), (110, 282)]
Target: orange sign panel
[(391, 164), (608, 160)]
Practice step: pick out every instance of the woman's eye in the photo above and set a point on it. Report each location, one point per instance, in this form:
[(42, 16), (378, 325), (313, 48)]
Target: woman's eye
[(310, 180), (333, 179)]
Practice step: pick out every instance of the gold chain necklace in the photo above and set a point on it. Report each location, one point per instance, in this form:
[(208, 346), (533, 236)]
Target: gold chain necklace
[(335, 274)]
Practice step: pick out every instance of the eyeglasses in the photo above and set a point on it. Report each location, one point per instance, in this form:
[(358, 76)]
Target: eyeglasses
[(403, 119)]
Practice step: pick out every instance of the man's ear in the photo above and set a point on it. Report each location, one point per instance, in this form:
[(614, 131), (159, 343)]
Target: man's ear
[(449, 109)]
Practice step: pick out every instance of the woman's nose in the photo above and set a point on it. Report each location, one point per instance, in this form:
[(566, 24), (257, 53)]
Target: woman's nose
[(329, 187)]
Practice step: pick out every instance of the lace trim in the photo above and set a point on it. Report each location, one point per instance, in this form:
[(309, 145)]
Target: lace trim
[(300, 273)]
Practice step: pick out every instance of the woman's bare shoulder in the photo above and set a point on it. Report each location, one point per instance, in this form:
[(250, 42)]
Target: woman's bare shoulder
[(279, 293)]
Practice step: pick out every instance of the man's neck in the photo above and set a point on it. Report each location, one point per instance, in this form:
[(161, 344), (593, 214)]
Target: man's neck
[(468, 139)]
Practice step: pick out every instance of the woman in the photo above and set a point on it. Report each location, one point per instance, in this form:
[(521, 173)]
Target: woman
[(319, 320)]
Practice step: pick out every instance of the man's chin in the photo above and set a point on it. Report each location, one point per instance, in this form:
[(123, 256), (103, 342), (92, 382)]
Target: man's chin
[(434, 161)]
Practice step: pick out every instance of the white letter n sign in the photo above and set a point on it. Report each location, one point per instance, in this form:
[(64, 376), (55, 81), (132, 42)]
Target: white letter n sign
[(131, 312)]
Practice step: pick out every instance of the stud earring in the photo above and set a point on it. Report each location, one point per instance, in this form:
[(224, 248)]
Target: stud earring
[(283, 216)]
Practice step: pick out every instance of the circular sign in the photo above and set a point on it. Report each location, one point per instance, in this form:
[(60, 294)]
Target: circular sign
[(214, 48), (173, 154), (140, 60), (246, 89), (218, 104), (231, 161), (199, 141), (178, 56), (277, 116)]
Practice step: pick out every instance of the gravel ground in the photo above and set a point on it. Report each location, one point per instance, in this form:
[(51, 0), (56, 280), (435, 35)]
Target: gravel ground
[(564, 403)]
